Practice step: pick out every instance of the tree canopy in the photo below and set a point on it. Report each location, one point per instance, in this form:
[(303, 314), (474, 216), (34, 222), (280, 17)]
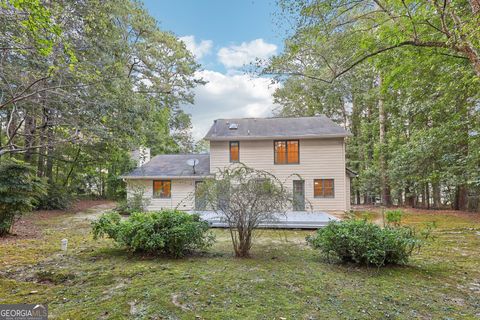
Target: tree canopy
[(84, 82), (404, 78)]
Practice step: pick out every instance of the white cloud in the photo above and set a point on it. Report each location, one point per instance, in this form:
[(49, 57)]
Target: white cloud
[(199, 49), (229, 96), (236, 56)]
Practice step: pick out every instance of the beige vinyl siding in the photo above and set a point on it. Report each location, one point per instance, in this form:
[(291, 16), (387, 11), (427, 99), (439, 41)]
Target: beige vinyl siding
[(347, 189), (182, 194), (319, 159)]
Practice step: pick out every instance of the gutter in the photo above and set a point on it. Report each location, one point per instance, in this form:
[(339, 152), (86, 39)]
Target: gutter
[(164, 177), (324, 136)]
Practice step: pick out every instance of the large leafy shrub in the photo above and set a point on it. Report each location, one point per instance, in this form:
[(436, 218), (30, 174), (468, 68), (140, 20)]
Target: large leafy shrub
[(20, 189), (169, 232), (365, 243), (57, 198)]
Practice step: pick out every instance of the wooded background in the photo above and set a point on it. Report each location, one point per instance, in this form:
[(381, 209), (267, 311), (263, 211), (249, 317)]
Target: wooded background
[(82, 83), (403, 77)]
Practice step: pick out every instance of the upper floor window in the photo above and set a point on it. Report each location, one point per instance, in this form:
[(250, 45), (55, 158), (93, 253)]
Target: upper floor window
[(323, 188), (286, 151), (162, 188), (234, 151)]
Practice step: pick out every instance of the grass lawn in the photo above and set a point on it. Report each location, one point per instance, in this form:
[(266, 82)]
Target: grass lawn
[(284, 279)]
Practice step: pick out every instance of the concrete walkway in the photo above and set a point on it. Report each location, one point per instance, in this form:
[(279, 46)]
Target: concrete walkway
[(290, 220)]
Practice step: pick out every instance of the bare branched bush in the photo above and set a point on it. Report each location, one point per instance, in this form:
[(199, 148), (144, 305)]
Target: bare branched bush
[(243, 198)]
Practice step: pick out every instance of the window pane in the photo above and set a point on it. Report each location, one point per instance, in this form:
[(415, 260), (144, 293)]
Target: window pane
[(234, 151), (166, 189), (162, 189), (328, 187), (292, 156), (280, 152), (156, 188), (317, 188)]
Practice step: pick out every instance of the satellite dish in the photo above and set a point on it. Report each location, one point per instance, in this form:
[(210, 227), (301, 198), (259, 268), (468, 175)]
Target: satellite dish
[(192, 163)]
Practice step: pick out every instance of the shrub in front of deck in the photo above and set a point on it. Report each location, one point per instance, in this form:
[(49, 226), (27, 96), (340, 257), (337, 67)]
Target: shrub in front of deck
[(171, 232), (365, 243)]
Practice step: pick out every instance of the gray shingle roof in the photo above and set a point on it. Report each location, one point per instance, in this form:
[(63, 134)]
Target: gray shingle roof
[(172, 165), (271, 128)]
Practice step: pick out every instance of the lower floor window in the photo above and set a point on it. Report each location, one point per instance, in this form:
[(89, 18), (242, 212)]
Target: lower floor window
[(162, 188), (323, 188)]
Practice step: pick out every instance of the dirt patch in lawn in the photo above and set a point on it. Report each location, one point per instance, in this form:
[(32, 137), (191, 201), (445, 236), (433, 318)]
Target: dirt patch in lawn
[(27, 227)]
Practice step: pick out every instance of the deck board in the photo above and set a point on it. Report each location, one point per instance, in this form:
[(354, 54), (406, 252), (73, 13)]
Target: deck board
[(290, 220)]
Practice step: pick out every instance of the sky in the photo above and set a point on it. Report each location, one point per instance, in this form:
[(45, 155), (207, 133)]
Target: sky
[(224, 36)]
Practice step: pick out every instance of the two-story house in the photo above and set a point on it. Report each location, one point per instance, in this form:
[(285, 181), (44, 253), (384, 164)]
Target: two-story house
[(308, 153)]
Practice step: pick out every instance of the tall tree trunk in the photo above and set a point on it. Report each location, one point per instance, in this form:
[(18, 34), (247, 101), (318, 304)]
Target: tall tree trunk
[(427, 195), (42, 150), (50, 150), (437, 201), (29, 133), (382, 119), (408, 197), (65, 183), (400, 198), (423, 203), (358, 196), (461, 198), (11, 128)]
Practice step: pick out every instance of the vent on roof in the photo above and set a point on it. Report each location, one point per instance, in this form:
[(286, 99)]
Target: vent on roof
[(233, 126)]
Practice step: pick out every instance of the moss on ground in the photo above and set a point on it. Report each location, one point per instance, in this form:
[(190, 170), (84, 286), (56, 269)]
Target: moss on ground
[(283, 279)]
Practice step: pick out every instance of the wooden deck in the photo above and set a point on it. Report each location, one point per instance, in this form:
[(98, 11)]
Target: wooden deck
[(290, 220)]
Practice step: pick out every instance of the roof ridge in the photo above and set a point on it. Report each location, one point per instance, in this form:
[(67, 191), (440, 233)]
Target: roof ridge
[(274, 117), (275, 127)]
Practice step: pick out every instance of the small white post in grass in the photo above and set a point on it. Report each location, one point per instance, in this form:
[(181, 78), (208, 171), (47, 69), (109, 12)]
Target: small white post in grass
[(64, 244)]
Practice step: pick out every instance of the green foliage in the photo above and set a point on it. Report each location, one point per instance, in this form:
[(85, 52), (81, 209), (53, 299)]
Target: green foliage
[(38, 23), (124, 91), (136, 203), (170, 232), (394, 217), (57, 198), (345, 61), (20, 189), (365, 243)]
